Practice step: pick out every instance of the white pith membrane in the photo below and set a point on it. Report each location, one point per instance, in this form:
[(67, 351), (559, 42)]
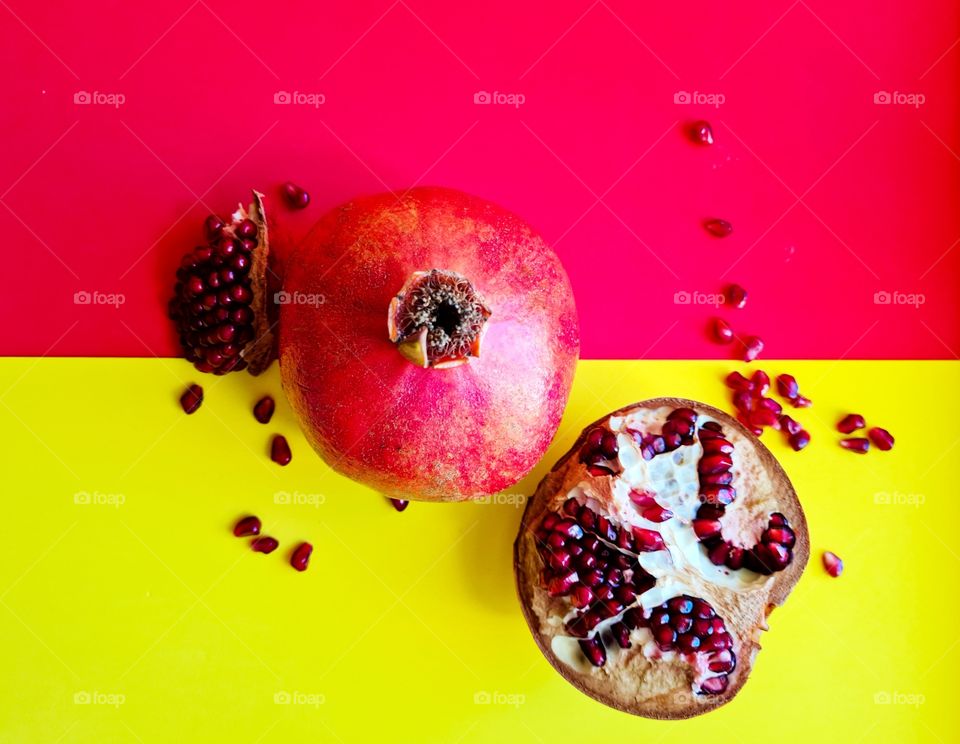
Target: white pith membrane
[(620, 488)]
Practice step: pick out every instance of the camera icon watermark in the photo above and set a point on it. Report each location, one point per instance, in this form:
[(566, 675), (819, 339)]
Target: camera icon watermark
[(111, 299), (298, 298), (95, 498), (895, 498), (686, 98), (95, 697), (299, 98), (712, 299), (85, 98), (495, 697), (898, 98), (296, 697), (909, 299), (485, 98), (296, 498)]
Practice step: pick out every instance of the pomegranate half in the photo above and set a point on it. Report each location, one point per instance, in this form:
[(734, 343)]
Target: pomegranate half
[(427, 343), (651, 555)]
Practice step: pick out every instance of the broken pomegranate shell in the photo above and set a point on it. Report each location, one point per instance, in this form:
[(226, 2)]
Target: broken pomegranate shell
[(647, 586)]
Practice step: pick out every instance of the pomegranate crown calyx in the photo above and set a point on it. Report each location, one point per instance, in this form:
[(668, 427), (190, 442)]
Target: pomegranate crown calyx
[(437, 319)]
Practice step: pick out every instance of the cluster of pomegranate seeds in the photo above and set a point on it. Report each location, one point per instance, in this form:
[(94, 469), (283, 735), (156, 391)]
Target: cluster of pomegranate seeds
[(850, 423), (212, 297), (736, 296), (676, 431), (263, 410), (599, 452), (832, 563), (301, 556), (689, 625), (400, 504), (294, 196), (280, 450), (264, 545), (247, 527), (701, 132), (718, 228), (756, 411), (593, 562), (191, 399)]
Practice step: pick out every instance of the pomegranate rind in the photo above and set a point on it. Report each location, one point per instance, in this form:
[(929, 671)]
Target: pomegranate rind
[(745, 614), (259, 352)]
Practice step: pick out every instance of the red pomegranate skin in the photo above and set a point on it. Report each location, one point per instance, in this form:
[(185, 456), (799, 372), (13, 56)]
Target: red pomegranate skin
[(424, 433)]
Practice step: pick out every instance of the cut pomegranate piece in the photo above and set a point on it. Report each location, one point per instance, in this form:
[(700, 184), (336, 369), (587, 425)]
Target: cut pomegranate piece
[(736, 296), (280, 450), (856, 444), (263, 410), (247, 527), (294, 196), (301, 556), (264, 544), (721, 331), (191, 399), (701, 132), (718, 228), (832, 563), (850, 423), (752, 346), (881, 438), (400, 504)]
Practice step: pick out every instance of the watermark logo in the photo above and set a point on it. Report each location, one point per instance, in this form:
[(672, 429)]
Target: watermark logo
[(95, 498), (910, 299), (95, 697), (506, 498), (296, 498), (112, 299), (714, 299), (495, 697), (296, 697), (685, 98), (497, 98), (98, 98), (894, 697), (298, 298), (895, 498), (299, 98), (899, 98)]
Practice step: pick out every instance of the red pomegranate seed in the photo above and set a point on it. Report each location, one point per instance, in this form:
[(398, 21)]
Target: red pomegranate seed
[(718, 228), (213, 227), (787, 386), (399, 504), (801, 402), (736, 296), (594, 651), (856, 444), (799, 440), (833, 564), (301, 556), (752, 347), (294, 196), (850, 423), (736, 381), (263, 410), (657, 513), (701, 132), (761, 382), (191, 399), (280, 450), (247, 527), (648, 541), (721, 331), (882, 438), (264, 545)]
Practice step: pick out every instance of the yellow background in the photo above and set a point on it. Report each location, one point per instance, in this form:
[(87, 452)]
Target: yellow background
[(405, 623)]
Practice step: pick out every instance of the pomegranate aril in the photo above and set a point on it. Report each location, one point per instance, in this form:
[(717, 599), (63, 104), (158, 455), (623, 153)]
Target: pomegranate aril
[(648, 541), (714, 685), (850, 423), (787, 386), (582, 597), (263, 410), (856, 444), (280, 450), (789, 425), (701, 132), (882, 438), (718, 228), (191, 399), (400, 504), (246, 229), (621, 634), (212, 227), (264, 545), (832, 563), (301, 556), (752, 347), (799, 440), (705, 528), (608, 445), (801, 402), (594, 651), (562, 584), (247, 527), (738, 382), (736, 296), (656, 513), (721, 331), (294, 196)]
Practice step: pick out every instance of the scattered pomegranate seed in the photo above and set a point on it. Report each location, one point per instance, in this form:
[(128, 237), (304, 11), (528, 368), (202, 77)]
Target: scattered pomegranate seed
[(761, 382), (294, 196), (856, 444), (264, 545), (799, 440), (882, 438), (789, 425), (736, 381), (701, 132), (280, 450), (191, 399), (301, 556), (399, 504), (721, 330), (736, 296), (263, 410), (833, 564), (247, 527), (850, 423), (787, 386), (752, 348), (801, 402), (718, 228)]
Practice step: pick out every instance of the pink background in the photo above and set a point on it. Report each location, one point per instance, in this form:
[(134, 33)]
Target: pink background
[(833, 197)]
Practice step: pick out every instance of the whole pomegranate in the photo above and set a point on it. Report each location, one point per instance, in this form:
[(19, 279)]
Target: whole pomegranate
[(427, 343)]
